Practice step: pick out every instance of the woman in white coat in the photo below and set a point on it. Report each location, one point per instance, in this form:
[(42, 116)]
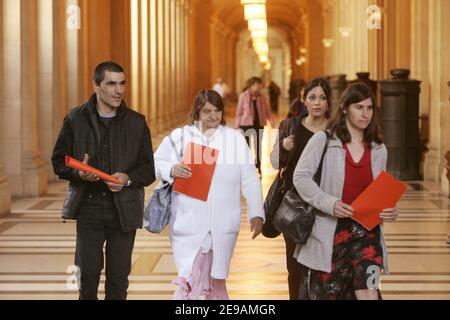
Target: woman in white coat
[(204, 233)]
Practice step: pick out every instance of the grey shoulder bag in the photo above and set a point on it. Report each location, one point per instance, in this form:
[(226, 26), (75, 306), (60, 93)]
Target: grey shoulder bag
[(158, 211)]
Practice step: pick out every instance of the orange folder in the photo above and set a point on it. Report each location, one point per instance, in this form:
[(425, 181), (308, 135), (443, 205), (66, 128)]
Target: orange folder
[(383, 193), (202, 161), (75, 164)]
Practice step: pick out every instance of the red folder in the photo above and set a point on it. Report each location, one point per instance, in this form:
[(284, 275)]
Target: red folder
[(383, 193), (202, 161), (75, 164)]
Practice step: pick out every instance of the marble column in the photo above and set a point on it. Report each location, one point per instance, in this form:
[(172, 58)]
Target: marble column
[(186, 55), (445, 180), (34, 173), (144, 58), (46, 115), (160, 65), (174, 70), (438, 75), (315, 54), (74, 66), (420, 67), (376, 46), (5, 192), (59, 65), (155, 109), (22, 158), (166, 84), (199, 47), (447, 158), (175, 57)]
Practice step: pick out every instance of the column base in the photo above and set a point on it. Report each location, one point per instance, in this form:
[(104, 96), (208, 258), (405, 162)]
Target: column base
[(445, 184), (445, 179), (5, 196), (432, 165), (33, 180)]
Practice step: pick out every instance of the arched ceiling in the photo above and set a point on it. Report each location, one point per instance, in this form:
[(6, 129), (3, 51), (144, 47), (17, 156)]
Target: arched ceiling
[(286, 14)]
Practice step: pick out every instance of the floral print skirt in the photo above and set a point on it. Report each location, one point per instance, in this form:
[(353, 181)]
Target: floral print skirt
[(356, 265)]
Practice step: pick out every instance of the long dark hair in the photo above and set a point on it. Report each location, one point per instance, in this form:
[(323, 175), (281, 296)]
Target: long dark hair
[(204, 96), (355, 93), (319, 82)]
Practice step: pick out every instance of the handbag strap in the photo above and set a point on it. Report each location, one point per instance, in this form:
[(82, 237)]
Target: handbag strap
[(318, 175), (295, 122), (180, 153), (293, 125)]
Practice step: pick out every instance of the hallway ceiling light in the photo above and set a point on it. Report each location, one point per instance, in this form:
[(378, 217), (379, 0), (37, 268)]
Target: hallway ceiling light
[(261, 47), (262, 54), (267, 66), (263, 59), (327, 43), (262, 51), (257, 24), (345, 31), (244, 2), (258, 41), (255, 11), (258, 34)]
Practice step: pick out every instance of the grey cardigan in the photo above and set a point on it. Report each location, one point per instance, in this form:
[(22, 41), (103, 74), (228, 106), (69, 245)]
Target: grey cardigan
[(317, 252)]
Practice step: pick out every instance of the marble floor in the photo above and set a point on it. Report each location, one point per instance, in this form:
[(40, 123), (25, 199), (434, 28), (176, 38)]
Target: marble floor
[(37, 249)]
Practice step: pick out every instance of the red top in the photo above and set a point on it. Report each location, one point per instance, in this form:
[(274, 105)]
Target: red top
[(358, 176)]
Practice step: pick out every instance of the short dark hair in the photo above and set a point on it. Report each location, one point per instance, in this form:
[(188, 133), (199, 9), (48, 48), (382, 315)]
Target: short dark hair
[(354, 93), (204, 96), (319, 82), (99, 73)]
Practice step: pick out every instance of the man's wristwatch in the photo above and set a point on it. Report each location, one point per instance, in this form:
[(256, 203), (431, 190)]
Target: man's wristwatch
[(128, 183)]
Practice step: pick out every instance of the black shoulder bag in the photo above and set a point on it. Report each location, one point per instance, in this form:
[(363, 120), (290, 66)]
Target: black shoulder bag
[(294, 217), (275, 196)]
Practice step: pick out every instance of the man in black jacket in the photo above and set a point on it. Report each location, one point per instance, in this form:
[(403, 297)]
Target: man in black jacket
[(115, 139)]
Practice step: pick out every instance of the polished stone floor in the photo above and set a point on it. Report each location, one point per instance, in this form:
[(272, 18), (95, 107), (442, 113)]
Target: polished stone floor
[(37, 248)]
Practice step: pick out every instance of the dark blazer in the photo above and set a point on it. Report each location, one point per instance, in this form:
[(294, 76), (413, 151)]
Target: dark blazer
[(131, 153)]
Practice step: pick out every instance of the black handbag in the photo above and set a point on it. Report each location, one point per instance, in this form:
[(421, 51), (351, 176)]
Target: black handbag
[(275, 196), (295, 217), (271, 204)]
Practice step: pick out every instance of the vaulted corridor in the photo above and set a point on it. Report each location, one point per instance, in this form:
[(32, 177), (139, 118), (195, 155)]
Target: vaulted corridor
[(170, 49)]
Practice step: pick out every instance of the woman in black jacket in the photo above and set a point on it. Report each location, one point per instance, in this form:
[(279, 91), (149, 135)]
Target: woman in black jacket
[(294, 133)]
